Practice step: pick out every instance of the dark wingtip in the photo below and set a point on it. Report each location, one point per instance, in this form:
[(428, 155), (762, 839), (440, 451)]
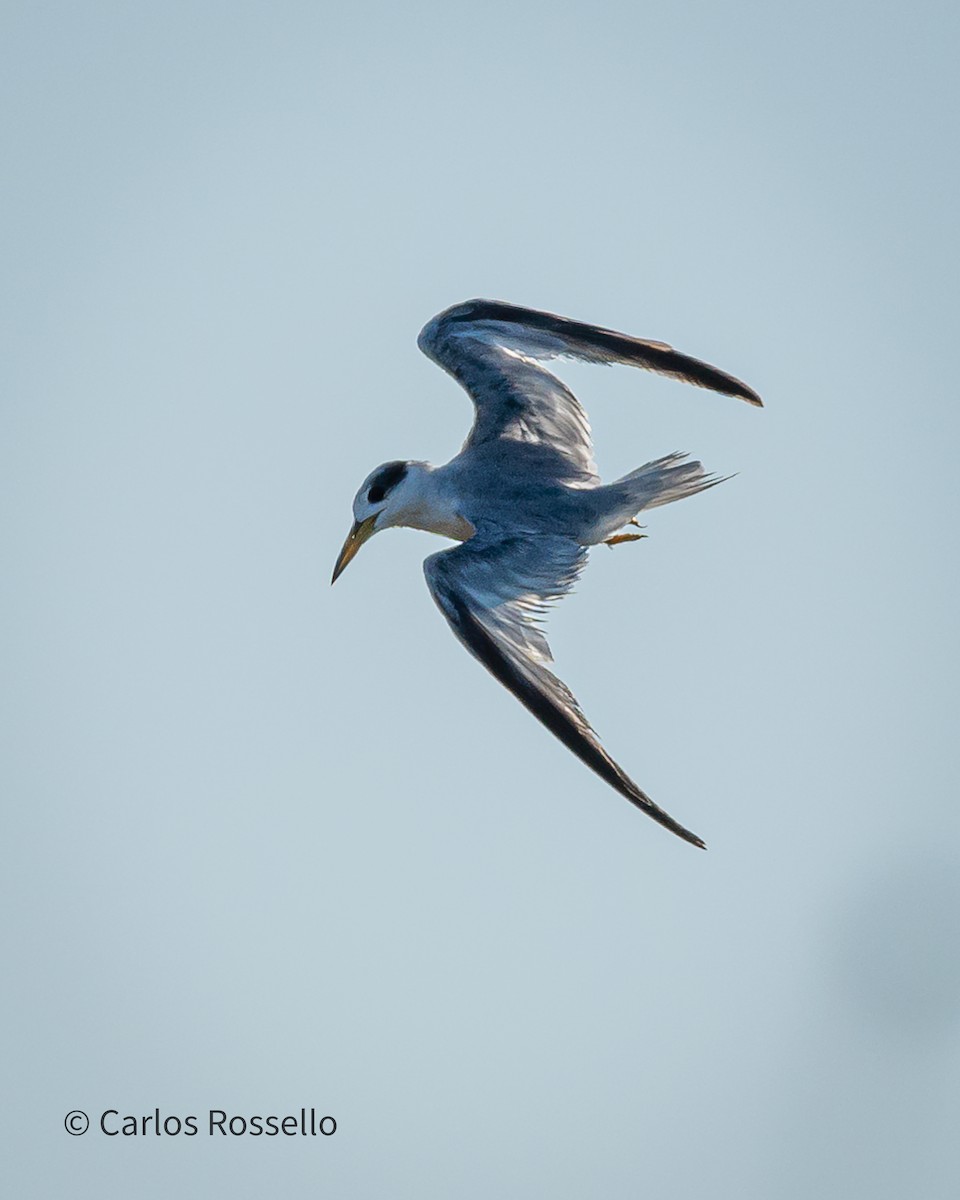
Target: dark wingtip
[(729, 385), (685, 834)]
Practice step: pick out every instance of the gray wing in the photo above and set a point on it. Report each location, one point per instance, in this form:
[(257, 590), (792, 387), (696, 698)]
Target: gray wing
[(491, 349), (493, 591)]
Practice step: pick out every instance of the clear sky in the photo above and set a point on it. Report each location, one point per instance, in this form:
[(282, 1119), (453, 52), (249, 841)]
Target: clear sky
[(270, 845)]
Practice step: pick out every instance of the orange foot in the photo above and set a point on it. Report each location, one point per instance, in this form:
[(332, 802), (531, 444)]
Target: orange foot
[(625, 537)]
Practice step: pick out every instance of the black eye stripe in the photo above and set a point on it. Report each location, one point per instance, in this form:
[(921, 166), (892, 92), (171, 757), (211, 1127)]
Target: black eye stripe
[(386, 478)]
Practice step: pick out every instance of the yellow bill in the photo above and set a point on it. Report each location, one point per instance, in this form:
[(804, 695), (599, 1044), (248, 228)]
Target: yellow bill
[(360, 532)]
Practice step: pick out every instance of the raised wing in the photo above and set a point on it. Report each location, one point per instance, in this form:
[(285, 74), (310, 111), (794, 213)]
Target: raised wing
[(491, 349), (493, 591)]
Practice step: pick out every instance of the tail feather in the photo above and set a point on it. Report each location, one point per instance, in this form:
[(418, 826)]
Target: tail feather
[(664, 480)]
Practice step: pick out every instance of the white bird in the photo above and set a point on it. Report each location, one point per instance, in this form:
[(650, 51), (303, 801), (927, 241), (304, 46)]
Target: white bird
[(524, 498)]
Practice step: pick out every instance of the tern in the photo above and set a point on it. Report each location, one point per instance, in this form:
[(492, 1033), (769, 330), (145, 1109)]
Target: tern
[(524, 499)]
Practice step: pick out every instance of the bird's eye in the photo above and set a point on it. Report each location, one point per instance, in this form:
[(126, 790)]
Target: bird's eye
[(385, 480)]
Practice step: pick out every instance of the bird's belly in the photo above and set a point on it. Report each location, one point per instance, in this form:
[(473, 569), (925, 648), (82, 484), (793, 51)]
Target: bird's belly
[(517, 486), (534, 509)]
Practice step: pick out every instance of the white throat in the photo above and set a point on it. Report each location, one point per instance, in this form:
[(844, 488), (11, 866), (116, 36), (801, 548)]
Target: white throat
[(423, 500)]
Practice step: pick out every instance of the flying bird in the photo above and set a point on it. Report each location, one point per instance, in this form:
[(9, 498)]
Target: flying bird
[(524, 499)]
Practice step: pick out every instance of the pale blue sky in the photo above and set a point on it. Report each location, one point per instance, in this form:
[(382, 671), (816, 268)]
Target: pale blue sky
[(271, 845)]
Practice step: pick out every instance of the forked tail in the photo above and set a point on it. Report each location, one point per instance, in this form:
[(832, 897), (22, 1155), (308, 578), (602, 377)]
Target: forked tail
[(662, 481)]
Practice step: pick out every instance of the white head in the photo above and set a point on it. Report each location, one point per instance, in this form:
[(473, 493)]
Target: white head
[(378, 504)]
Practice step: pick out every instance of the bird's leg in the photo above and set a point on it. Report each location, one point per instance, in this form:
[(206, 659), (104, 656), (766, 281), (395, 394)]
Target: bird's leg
[(619, 538)]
